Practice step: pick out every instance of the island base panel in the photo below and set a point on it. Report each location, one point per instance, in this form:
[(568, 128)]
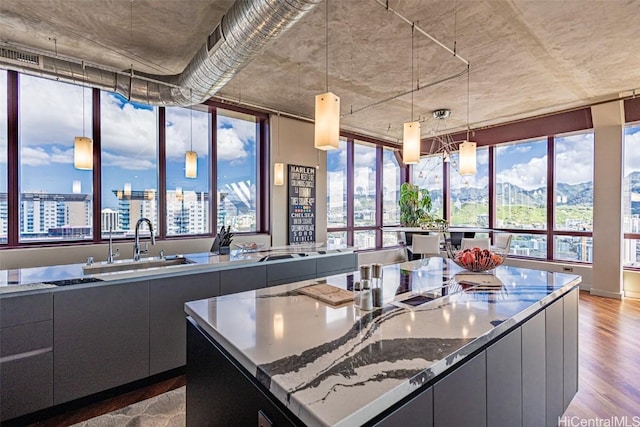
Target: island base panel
[(220, 393)]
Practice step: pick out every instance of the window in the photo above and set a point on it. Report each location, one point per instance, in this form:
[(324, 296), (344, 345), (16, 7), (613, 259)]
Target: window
[(529, 245), (573, 248), (364, 178), (55, 198), (187, 199), (521, 185), (390, 195), (631, 196), (573, 187), (129, 165), (4, 207), (237, 174), (469, 195), (428, 174), (337, 186)]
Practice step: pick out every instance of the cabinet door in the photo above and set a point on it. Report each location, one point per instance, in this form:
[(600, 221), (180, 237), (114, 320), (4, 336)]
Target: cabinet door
[(167, 334), (418, 412), (533, 371), (570, 344), (242, 279), (460, 398), (504, 381), (101, 338), (555, 364)]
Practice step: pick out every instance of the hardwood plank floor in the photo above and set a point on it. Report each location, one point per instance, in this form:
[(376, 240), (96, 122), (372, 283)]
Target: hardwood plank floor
[(609, 375), (609, 360)]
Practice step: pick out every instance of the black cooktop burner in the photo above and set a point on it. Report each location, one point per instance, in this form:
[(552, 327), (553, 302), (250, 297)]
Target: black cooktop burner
[(78, 281)]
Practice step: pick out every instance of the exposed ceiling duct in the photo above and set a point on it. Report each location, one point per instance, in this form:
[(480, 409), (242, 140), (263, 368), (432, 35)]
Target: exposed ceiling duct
[(243, 33)]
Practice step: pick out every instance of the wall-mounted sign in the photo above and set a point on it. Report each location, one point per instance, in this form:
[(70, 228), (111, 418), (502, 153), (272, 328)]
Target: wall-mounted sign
[(302, 204)]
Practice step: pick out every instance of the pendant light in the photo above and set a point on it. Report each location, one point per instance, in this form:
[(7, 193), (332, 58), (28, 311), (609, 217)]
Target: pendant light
[(82, 145), (411, 132), (467, 148), (327, 110), (191, 157)]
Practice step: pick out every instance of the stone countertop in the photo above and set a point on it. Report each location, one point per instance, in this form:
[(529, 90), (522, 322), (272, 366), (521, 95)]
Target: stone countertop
[(341, 365), (27, 279)]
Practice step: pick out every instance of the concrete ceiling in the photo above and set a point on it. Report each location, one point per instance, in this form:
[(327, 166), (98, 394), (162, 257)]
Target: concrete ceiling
[(528, 57)]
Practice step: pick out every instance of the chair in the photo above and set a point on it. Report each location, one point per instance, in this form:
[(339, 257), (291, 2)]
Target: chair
[(470, 243), (426, 244), (502, 242)]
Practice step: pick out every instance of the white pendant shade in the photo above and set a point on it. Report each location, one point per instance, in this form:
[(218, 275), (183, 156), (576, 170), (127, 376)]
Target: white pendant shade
[(467, 158), (278, 174), (411, 143), (327, 121), (127, 189), (191, 164), (83, 153)]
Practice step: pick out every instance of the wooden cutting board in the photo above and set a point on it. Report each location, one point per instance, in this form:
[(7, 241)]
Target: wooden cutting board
[(328, 293)]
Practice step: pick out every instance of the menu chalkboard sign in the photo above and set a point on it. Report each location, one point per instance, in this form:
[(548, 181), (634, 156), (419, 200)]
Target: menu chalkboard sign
[(302, 204)]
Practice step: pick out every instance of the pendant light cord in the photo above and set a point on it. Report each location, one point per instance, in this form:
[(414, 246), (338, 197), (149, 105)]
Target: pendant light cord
[(83, 80), (326, 35), (412, 28), (191, 120), (468, 78)]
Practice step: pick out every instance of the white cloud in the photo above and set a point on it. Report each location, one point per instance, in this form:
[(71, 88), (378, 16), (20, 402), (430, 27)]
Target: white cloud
[(34, 156), (230, 145), (574, 159), (632, 152), (530, 175)]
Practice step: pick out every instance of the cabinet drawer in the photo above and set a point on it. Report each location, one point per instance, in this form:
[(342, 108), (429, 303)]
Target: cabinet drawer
[(26, 338), (26, 309), (280, 272), (337, 264), (27, 385)]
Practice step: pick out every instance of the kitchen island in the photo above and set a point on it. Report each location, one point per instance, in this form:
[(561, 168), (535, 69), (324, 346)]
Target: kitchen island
[(446, 348), (71, 331)]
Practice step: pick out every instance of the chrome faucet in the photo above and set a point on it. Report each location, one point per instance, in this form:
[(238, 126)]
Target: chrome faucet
[(136, 246), (111, 255)]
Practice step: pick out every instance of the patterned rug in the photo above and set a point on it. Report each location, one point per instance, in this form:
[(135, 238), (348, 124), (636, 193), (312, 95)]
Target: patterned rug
[(165, 410)]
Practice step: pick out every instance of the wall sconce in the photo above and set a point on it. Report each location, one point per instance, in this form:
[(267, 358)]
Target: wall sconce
[(411, 143), (278, 174), (83, 153), (467, 158)]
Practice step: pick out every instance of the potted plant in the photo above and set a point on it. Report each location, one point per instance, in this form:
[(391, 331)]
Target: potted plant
[(415, 204)]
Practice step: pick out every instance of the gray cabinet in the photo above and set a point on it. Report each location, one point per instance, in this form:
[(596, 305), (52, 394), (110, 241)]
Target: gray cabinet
[(465, 387), (554, 362), (504, 381), (167, 334), (336, 264), (570, 344), (533, 371), (26, 354), (293, 271), (418, 412), (101, 338), (242, 279)]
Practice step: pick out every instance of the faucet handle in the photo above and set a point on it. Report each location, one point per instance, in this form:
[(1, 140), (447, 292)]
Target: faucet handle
[(161, 254), (90, 260)]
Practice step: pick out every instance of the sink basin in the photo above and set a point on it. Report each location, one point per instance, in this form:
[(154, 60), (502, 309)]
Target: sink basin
[(125, 265)]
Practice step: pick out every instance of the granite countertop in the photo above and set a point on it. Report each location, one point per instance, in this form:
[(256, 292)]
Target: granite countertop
[(358, 363), (25, 279)]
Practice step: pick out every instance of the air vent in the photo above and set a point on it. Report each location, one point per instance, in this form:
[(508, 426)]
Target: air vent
[(215, 38), (19, 57)]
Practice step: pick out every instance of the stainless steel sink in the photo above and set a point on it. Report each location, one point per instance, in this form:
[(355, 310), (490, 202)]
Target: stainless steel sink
[(125, 265)]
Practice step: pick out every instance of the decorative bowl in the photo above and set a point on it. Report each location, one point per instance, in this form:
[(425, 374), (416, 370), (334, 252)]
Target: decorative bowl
[(476, 260), (250, 247)]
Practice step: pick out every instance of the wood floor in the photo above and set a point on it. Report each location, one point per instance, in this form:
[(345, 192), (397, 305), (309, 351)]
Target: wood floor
[(609, 376)]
